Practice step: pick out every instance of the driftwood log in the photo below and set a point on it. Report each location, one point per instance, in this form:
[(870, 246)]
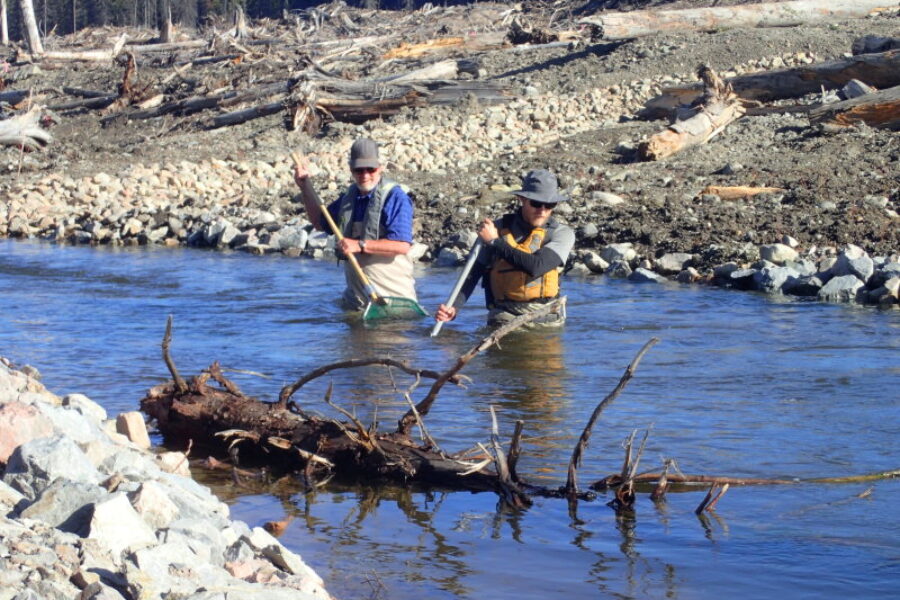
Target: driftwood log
[(25, 131), (13, 97), (735, 192), (625, 25), (473, 43), (213, 413), (869, 44), (878, 109), (720, 107), (689, 482), (880, 70), (210, 414)]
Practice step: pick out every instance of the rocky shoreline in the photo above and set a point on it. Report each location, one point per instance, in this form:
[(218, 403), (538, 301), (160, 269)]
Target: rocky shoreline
[(250, 207), (88, 511), (831, 197)]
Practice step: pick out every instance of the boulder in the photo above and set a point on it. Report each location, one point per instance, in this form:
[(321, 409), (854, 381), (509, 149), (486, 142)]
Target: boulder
[(642, 275), (618, 252), (20, 423), (673, 262), (844, 288), (777, 253)]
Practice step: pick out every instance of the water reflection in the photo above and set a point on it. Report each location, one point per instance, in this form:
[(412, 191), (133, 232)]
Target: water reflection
[(530, 383), (533, 366)]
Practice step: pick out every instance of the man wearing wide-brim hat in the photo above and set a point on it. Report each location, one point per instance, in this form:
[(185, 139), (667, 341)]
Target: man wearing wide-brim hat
[(522, 256)]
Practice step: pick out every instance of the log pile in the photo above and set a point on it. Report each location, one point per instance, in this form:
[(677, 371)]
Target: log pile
[(314, 66), (702, 111)]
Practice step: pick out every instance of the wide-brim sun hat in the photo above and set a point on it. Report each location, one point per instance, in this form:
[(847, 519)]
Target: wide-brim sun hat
[(540, 185)]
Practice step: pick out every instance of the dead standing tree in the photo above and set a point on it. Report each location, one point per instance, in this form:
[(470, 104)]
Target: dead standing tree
[(31, 29), (4, 25)]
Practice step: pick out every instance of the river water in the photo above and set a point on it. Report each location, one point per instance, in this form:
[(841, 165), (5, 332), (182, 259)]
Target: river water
[(739, 385)]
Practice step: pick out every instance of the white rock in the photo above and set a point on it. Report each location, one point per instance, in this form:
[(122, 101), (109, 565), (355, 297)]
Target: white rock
[(116, 525)]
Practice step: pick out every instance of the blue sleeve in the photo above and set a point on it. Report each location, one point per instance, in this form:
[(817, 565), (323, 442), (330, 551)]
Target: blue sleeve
[(333, 209), (397, 216)]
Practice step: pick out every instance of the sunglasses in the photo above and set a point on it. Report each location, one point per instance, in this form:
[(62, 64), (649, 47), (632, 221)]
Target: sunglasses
[(536, 204), (361, 170)]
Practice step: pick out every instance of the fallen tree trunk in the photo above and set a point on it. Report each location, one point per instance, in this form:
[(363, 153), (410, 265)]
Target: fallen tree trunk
[(471, 43), (445, 69), (25, 131), (869, 44), (738, 191), (879, 109), (880, 70), (221, 418), (612, 481), (13, 97), (720, 108), (625, 25), (247, 114), (95, 102)]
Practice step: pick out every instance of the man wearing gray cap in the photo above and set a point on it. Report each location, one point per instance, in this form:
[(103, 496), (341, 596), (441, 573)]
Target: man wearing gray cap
[(521, 257), (375, 216)]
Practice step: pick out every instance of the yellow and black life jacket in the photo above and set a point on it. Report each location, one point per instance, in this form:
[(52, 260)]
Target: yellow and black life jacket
[(515, 285)]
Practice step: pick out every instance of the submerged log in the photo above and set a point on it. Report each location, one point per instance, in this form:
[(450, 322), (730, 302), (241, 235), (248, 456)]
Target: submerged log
[(625, 25), (881, 70), (879, 109), (212, 415), (688, 481)]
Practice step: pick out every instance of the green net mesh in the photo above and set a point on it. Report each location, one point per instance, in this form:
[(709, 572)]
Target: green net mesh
[(394, 308)]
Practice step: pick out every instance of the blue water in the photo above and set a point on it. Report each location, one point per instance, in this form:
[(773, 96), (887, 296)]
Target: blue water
[(739, 385)]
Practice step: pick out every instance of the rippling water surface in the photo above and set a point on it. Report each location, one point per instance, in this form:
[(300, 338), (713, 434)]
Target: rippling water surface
[(740, 385)]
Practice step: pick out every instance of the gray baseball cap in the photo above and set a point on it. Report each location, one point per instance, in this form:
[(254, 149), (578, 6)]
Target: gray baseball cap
[(540, 185), (364, 153)]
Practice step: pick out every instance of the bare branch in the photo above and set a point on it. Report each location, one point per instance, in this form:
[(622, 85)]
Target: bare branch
[(572, 482), (180, 384), (408, 420), (289, 390)]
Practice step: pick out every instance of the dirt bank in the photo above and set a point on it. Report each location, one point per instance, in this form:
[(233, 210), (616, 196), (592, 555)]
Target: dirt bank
[(839, 188)]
